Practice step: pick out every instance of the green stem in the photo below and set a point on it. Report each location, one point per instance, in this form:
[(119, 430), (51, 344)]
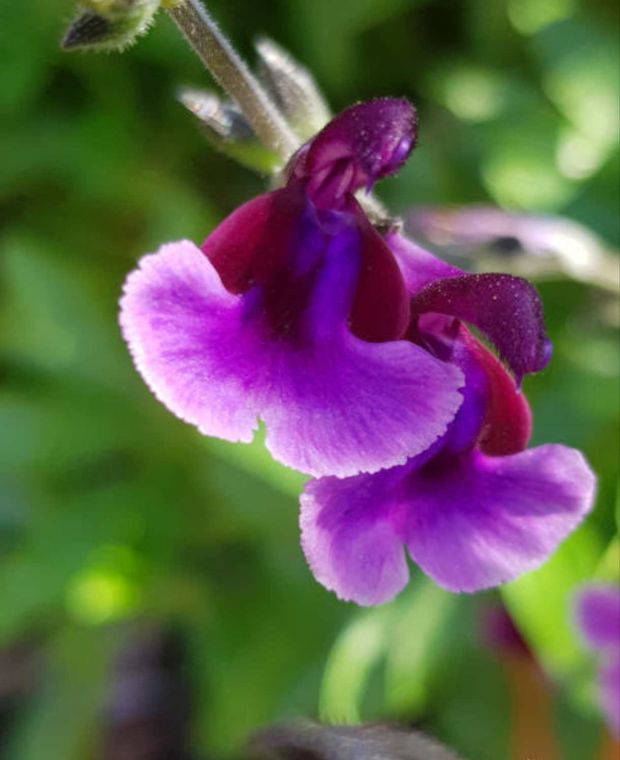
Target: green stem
[(233, 76)]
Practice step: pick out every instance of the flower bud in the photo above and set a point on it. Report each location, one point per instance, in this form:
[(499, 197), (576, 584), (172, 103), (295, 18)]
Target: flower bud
[(227, 130), (293, 88), (109, 24)]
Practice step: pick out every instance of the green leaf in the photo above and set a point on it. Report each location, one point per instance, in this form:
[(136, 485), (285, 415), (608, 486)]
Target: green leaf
[(413, 646), (356, 652), (540, 602)]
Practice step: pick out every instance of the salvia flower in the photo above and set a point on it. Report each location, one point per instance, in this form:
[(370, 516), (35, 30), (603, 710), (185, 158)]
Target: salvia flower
[(295, 311), (597, 613), (353, 349), (475, 509)]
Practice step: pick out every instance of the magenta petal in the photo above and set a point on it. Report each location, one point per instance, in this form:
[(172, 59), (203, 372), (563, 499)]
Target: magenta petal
[(506, 309), (359, 146), (598, 615), (331, 403), (350, 538), (418, 266), (476, 521)]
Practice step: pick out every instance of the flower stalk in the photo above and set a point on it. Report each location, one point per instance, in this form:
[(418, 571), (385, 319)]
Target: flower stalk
[(231, 73)]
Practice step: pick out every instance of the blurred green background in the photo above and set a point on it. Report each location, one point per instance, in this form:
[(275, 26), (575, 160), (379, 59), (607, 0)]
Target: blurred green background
[(115, 515)]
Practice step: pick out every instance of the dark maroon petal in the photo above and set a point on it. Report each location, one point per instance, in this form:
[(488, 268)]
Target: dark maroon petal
[(507, 423), (495, 415), (251, 244), (274, 242), (380, 309), (506, 309), (364, 143)]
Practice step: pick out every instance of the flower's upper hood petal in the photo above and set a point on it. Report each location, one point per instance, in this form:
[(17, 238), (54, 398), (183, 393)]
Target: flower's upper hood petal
[(361, 145), (506, 309)]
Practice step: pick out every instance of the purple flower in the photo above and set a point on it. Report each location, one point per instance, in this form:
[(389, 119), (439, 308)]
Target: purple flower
[(597, 613), (476, 509), (294, 311)]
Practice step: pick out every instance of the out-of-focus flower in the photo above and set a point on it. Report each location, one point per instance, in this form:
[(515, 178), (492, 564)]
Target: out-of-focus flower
[(529, 245), (146, 713), (295, 310), (476, 509), (500, 634), (597, 616)]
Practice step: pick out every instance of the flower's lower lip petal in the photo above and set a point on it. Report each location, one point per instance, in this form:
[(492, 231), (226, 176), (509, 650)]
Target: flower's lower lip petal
[(349, 406), (348, 538), (337, 406), (418, 267), (609, 685), (480, 521), (506, 309), (597, 613)]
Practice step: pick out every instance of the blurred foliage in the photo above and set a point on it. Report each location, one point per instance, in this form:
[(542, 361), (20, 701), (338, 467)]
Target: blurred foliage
[(112, 511)]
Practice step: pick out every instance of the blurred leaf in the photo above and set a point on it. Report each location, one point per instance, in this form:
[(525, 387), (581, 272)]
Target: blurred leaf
[(330, 30), (357, 650), (421, 618)]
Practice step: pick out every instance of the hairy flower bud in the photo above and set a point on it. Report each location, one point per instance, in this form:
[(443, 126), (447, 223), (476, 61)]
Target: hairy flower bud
[(227, 130), (107, 25), (293, 88)]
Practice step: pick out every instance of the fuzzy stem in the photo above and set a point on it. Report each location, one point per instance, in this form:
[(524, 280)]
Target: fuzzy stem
[(233, 76)]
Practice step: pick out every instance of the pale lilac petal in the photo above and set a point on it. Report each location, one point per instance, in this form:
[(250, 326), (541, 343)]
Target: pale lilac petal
[(598, 615), (478, 521), (418, 266), (469, 521), (350, 538), (609, 685), (331, 403), (348, 406)]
